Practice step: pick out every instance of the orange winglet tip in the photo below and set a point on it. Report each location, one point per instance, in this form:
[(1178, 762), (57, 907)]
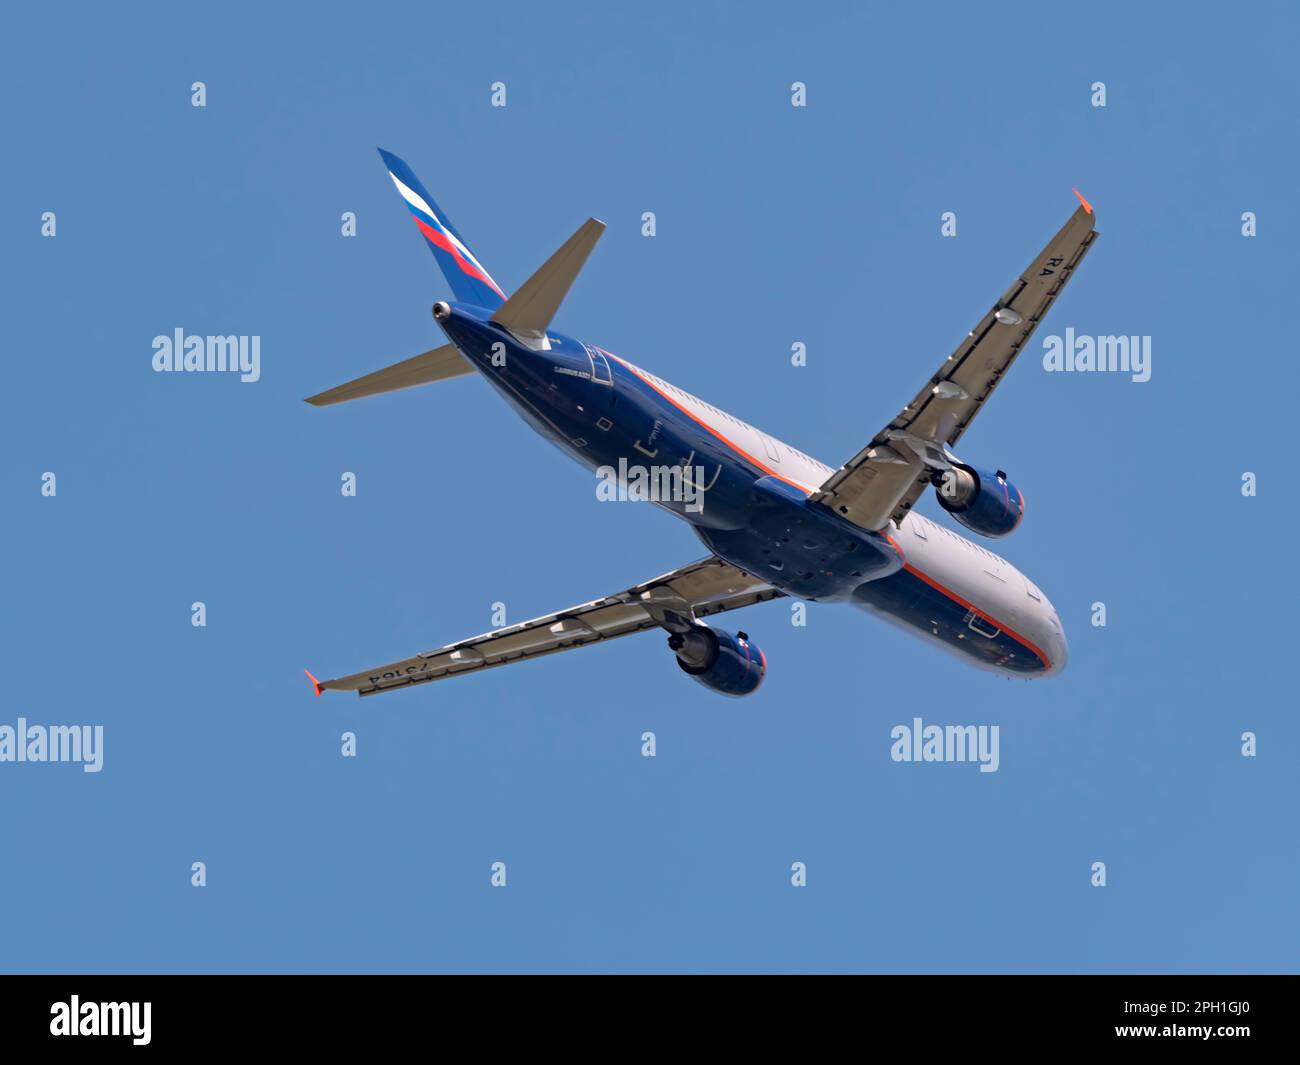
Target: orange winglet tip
[(314, 683), (1086, 205)]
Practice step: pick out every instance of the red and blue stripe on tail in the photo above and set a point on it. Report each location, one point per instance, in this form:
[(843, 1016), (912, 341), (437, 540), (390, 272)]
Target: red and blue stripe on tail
[(470, 282)]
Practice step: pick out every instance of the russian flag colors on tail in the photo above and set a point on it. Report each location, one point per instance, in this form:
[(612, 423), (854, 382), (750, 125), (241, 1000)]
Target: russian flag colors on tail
[(470, 282)]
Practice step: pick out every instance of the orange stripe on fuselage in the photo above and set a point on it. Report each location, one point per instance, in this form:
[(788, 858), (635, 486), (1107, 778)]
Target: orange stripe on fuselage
[(804, 488), (971, 606), (701, 422)]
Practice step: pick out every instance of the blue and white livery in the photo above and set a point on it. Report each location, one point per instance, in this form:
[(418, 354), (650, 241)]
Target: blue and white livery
[(775, 521)]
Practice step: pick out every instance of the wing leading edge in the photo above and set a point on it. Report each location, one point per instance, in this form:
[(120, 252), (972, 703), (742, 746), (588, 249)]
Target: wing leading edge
[(883, 480), (707, 587)]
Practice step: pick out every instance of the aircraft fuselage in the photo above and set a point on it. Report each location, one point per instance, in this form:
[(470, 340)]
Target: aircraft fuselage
[(749, 502)]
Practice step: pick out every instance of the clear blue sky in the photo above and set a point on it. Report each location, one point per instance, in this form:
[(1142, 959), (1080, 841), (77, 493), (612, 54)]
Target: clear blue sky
[(774, 225)]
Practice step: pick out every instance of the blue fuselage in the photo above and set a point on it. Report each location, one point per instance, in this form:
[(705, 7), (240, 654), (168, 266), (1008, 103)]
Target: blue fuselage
[(755, 514)]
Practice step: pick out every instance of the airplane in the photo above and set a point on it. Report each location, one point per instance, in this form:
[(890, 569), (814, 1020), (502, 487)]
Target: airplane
[(775, 521)]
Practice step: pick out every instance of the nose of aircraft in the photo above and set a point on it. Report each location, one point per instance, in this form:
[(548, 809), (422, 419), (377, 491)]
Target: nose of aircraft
[(1058, 648)]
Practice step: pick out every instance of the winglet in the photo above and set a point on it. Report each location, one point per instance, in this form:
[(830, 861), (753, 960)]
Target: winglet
[(1086, 205), (314, 683)]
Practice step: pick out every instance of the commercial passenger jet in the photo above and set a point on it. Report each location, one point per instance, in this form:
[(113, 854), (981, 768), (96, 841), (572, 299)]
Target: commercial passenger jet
[(775, 521)]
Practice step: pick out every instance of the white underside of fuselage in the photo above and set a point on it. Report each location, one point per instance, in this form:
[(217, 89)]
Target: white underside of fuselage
[(962, 569)]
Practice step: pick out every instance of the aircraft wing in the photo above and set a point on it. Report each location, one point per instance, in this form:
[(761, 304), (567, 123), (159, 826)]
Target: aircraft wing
[(709, 586), (885, 478)]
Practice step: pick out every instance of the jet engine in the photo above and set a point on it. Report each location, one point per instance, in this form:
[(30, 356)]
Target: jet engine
[(986, 503), (719, 660)]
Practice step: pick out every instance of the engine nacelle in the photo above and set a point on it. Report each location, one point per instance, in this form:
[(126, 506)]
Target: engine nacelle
[(726, 663), (986, 503)]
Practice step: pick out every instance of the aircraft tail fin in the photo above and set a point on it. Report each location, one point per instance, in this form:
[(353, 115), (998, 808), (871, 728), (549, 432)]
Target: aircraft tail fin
[(469, 281), (529, 311), (436, 365)]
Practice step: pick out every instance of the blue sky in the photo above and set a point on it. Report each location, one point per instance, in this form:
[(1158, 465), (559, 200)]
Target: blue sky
[(775, 225)]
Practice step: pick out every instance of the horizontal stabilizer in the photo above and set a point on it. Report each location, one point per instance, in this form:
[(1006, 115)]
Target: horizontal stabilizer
[(436, 365), (529, 311)]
